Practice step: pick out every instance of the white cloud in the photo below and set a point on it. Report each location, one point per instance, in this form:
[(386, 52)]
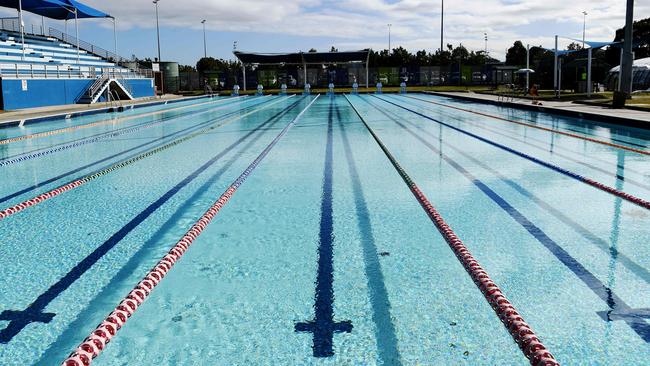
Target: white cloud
[(362, 23)]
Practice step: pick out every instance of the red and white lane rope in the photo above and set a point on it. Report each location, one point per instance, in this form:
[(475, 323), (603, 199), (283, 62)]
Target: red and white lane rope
[(74, 184), (521, 332), (104, 122), (590, 139), (93, 345)]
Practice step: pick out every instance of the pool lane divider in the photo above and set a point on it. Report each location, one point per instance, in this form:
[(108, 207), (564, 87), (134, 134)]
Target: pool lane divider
[(590, 139), (626, 196), (104, 122), (35, 312), (81, 181), (182, 132), (101, 136), (521, 332), (515, 137), (93, 345)]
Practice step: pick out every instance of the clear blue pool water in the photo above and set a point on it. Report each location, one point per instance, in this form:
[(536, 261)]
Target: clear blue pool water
[(574, 260)]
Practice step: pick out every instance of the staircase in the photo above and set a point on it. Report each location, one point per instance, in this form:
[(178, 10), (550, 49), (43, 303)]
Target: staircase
[(108, 85)]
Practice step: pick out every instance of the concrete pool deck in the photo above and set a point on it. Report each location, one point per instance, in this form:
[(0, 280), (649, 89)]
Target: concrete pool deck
[(12, 118), (627, 117)]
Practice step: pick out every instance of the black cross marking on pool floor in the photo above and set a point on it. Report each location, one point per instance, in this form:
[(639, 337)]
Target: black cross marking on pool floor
[(323, 326)]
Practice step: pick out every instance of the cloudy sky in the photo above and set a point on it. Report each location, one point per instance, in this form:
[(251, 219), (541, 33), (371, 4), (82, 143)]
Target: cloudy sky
[(292, 25)]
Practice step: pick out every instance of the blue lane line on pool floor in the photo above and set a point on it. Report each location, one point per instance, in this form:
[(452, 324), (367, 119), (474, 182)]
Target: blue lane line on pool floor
[(630, 264), (76, 170), (616, 304), (56, 350), (555, 168), (323, 326), (384, 328), (34, 312), (561, 155)]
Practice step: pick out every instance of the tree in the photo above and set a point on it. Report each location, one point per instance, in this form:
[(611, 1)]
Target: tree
[(516, 55), (186, 68), (574, 46), (207, 64), (312, 50), (641, 42), (333, 49)]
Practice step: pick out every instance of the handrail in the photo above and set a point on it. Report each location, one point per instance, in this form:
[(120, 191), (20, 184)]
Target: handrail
[(44, 71), (13, 25)]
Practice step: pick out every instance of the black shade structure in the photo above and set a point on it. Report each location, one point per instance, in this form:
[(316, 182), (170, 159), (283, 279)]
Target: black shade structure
[(304, 59)]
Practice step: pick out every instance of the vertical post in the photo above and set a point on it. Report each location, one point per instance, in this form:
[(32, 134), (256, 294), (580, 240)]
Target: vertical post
[(243, 68), (555, 74), (367, 68), (304, 70), (559, 79), (76, 27), (65, 28), (620, 71), (115, 41), (22, 30), (42, 25), (389, 25), (442, 25), (205, 47), (157, 29), (589, 59), (527, 68), (584, 28), (628, 57)]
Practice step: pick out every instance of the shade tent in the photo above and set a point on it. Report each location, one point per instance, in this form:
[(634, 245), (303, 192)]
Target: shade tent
[(59, 10)]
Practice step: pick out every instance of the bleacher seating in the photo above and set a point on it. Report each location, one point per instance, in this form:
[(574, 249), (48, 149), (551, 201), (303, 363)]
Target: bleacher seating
[(46, 54)]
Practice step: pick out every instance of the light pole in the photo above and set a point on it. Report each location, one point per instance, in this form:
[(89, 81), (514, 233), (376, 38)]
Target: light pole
[(205, 47), (389, 25), (627, 59), (584, 28), (486, 47), (157, 28), (442, 25)]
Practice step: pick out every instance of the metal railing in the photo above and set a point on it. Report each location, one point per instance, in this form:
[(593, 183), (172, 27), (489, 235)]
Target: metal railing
[(13, 25), (42, 71)]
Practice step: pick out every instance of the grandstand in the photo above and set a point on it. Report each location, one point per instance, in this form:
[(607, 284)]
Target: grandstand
[(44, 67)]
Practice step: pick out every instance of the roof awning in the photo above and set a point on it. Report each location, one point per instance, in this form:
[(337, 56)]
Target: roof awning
[(299, 58), (56, 9)]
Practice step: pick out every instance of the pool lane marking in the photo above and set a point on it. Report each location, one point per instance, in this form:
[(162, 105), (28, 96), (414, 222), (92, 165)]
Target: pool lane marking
[(99, 137), (514, 136), (626, 196), (634, 267), (81, 181), (103, 122), (521, 332), (639, 151), (617, 305), (165, 137), (385, 334), (34, 312), (324, 326), (112, 133), (92, 346), (112, 286)]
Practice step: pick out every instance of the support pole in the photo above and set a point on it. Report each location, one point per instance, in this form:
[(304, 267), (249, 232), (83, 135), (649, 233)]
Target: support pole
[(528, 68), (589, 58), (115, 41), (76, 29), (367, 69), (628, 57), (555, 74), (243, 68), (304, 70), (22, 28), (620, 72)]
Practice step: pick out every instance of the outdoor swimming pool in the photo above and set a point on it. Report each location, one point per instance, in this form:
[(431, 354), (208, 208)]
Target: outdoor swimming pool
[(324, 255)]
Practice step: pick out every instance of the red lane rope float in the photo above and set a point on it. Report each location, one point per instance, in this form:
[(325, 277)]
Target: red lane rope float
[(106, 330), (639, 151), (521, 332), (74, 184), (102, 122)]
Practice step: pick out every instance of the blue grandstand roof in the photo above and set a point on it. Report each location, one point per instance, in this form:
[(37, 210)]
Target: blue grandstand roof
[(56, 9)]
